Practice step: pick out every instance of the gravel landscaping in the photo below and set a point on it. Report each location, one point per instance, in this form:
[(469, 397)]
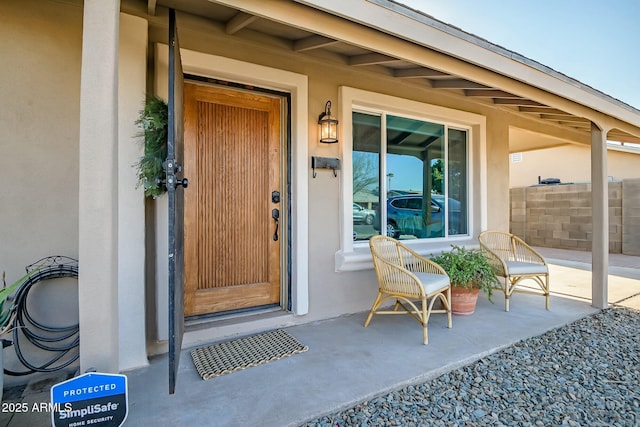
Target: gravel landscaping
[(586, 373)]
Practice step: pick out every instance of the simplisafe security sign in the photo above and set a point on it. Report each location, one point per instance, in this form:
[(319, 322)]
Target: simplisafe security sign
[(91, 399)]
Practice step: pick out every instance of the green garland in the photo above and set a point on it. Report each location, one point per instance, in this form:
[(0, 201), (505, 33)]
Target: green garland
[(153, 120)]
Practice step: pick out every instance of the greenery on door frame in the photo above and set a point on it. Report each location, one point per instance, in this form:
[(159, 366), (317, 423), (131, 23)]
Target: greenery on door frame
[(153, 119)]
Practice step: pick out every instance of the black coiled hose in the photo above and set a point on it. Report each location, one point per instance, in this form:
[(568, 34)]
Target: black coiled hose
[(62, 341)]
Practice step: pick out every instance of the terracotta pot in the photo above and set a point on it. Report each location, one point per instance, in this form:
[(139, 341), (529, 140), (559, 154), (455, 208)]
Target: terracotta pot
[(463, 301)]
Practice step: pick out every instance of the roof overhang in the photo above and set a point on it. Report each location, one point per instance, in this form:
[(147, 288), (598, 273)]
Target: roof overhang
[(385, 36), (417, 27), (411, 25)]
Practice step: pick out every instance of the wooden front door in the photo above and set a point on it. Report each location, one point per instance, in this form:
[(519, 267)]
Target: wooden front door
[(233, 158)]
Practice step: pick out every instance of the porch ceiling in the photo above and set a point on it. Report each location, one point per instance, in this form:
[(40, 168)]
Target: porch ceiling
[(303, 41)]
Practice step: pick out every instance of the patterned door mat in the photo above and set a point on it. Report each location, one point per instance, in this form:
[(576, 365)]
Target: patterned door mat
[(227, 357)]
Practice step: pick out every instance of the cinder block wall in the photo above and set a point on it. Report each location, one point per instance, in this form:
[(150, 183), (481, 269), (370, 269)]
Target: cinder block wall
[(560, 216), (631, 217)]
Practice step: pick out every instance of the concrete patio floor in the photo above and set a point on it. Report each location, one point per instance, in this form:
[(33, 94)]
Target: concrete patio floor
[(347, 363), (571, 276)]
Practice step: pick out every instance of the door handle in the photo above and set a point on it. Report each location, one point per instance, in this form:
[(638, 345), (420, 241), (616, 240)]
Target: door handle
[(275, 214)]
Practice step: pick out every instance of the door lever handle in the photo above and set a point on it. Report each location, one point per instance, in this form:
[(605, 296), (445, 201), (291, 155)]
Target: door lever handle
[(275, 214)]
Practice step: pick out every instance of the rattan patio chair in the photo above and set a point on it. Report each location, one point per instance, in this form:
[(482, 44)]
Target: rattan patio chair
[(515, 261), (415, 282)]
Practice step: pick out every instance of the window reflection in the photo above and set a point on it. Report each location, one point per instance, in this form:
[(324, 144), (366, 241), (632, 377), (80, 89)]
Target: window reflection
[(367, 135), (457, 182), (424, 187)]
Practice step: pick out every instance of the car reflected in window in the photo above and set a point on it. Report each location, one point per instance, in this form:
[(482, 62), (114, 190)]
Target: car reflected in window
[(362, 215), (406, 216)]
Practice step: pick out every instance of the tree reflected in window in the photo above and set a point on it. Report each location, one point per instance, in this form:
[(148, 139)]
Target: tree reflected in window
[(418, 188)]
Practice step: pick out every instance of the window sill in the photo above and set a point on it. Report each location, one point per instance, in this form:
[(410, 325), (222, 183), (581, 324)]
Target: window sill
[(360, 257)]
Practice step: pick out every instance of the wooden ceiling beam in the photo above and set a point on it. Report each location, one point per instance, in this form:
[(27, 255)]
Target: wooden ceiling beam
[(416, 73), (563, 118), (539, 110), (457, 84), (623, 137), (518, 102), (490, 93), (577, 125), (238, 22), (371, 59), (313, 42), (151, 7)]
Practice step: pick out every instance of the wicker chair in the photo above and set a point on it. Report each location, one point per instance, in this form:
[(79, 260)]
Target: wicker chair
[(410, 279), (515, 261)]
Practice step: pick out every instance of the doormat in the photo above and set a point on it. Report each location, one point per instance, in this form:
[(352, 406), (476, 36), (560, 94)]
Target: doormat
[(227, 357)]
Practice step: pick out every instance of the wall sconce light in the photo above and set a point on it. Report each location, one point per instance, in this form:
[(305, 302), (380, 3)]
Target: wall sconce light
[(328, 125)]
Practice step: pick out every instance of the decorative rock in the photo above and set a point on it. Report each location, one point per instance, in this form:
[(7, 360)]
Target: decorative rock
[(585, 373)]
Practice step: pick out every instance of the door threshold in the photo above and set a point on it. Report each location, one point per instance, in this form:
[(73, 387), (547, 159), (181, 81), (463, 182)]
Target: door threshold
[(218, 328), (233, 315)]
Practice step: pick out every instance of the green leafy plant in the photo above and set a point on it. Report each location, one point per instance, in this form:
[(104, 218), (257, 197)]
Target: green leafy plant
[(153, 119), (6, 309), (468, 268)]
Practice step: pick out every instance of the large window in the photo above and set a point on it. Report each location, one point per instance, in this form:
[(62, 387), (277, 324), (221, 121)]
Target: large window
[(409, 177)]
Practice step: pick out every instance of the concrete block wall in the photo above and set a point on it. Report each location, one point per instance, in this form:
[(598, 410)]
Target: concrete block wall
[(631, 217), (560, 216), (518, 215)]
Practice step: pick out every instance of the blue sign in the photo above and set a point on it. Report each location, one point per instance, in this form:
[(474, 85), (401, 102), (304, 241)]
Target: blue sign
[(91, 399)]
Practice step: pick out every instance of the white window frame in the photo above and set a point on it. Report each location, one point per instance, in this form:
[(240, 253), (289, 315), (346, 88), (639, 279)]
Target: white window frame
[(356, 255)]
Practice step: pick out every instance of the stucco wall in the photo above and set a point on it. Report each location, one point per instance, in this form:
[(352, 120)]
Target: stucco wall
[(334, 293), (555, 163), (131, 204), (39, 139), (39, 117), (330, 293), (39, 146), (40, 136)]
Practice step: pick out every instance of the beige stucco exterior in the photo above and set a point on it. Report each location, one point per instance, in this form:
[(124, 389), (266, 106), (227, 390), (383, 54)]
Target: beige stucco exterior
[(571, 163), (41, 139), (39, 118), (59, 181)]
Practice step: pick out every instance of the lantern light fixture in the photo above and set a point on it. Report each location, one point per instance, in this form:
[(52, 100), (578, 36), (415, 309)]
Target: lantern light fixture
[(328, 126)]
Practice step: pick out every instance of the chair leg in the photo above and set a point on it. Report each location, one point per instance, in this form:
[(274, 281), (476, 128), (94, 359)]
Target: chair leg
[(546, 292), (507, 283), (425, 336), (374, 307)]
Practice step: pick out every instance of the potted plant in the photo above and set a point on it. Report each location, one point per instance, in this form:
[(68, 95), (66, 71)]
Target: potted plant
[(469, 271)]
